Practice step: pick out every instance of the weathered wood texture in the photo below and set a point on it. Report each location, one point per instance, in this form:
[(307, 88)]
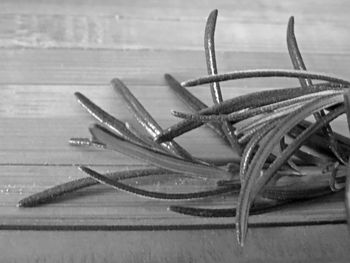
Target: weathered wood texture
[(288, 244), (50, 49)]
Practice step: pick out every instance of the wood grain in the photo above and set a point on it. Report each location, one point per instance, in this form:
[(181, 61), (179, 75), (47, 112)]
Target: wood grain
[(113, 32), (87, 67), (324, 244)]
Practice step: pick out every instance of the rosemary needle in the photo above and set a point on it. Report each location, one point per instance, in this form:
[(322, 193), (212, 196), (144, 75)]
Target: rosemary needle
[(294, 52), (250, 147), (108, 120), (264, 73), (257, 208), (191, 101), (210, 58), (266, 118), (113, 142), (310, 159), (204, 212), (251, 112), (347, 107), (347, 182), (112, 123), (234, 163), (288, 152), (157, 195), (318, 143), (250, 133), (194, 104), (299, 64), (146, 120), (273, 197), (254, 180), (53, 193), (255, 99), (249, 191)]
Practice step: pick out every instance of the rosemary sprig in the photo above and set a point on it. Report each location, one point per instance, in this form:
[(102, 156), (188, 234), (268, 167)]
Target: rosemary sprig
[(250, 148), (264, 73), (272, 197), (298, 63), (194, 104), (251, 112), (114, 124), (158, 195), (53, 193), (255, 125), (255, 99), (146, 120), (255, 180), (113, 142), (258, 208), (210, 58)]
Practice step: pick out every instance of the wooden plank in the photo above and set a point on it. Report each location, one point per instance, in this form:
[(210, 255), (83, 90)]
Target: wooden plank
[(147, 67), (268, 10), (327, 243), (111, 32)]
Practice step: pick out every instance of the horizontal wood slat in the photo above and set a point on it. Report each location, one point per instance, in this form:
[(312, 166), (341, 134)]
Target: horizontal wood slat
[(118, 32), (85, 67)]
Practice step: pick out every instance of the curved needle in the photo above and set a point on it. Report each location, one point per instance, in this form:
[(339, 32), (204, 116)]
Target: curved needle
[(113, 142), (294, 52), (251, 112), (51, 194), (276, 198), (258, 208), (255, 179), (318, 143), (209, 47), (193, 103), (272, 197), (264, 73), (156, 195), (146, 120), (347, 182), (255, 99), (113, 123), (267, 118), (299, 64), (250, 147)]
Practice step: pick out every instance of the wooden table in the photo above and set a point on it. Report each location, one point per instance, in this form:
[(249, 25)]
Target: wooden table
[(50, 49)]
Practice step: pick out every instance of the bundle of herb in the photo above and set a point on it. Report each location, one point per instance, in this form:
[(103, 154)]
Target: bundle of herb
[(269, 142)]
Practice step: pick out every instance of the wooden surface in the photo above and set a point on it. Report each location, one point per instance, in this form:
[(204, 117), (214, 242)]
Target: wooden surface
[(50, 49)]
